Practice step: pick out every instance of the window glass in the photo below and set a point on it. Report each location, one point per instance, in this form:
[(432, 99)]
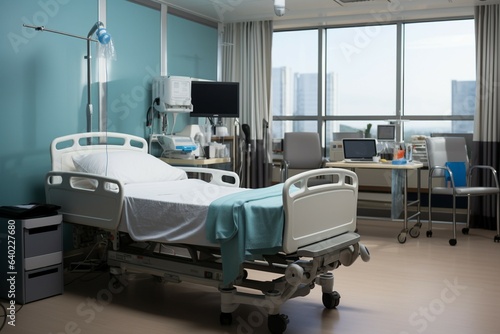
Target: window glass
[(439, 68), (361, 70), (280, 127), (365, 129), (426, 128), (295, 73), (361, 79)]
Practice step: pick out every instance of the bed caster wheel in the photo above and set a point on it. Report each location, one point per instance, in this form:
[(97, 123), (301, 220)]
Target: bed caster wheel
[(414, 232), (277, 323), (331, 300), (402, 237), (428, 234), (453, 242), (226, 319), (496, 238), (465, 230)]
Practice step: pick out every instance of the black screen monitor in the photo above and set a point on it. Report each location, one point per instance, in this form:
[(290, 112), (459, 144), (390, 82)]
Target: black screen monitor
[(386, 132), (215, 99)]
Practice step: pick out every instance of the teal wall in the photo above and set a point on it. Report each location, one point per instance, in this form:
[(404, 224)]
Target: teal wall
[(188, 44), (43, 78)]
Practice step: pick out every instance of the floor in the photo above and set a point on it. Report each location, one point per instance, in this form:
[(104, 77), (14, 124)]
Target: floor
[(422, 286)]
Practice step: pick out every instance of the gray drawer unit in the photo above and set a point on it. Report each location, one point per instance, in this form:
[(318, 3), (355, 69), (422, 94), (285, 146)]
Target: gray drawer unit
[(32, 258)]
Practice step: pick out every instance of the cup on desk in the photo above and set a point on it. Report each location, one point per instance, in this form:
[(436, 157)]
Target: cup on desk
[(376, 158)]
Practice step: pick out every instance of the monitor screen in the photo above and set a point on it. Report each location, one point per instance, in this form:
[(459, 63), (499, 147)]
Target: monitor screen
[(215, 99), (359, 148), (386, 132)]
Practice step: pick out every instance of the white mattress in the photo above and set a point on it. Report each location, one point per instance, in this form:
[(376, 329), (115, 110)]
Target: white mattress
[(170, 212)]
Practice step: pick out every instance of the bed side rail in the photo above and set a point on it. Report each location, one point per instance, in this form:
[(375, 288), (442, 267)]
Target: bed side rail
[(215, 176), (315, 213), (86, 199)]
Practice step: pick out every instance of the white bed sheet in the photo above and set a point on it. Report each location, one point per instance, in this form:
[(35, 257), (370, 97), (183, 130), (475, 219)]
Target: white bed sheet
[(171, 211)]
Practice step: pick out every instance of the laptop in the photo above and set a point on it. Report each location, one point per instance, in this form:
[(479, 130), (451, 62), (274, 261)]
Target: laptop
[(359, 149)]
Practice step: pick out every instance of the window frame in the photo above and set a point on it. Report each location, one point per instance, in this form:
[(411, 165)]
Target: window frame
[(321, 118)]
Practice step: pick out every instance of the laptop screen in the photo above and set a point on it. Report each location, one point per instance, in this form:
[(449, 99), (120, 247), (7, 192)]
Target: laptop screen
[(359, 149)]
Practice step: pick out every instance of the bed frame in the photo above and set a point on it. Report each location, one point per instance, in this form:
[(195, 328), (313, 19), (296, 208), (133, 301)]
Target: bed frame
[(312, 248)]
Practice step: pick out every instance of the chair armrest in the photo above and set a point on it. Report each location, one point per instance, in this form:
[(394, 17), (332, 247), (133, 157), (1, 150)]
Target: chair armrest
[(486, 167), (437, 168), (432, 175), (284, 170)]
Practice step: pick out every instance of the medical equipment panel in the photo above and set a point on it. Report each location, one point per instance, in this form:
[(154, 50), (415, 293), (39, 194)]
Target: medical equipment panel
[(173, 93)]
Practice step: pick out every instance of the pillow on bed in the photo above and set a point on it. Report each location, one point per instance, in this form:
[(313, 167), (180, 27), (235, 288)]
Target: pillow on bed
[(128, 167)]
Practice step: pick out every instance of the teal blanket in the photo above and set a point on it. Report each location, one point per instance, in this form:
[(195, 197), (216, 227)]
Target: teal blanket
[(247, 225)]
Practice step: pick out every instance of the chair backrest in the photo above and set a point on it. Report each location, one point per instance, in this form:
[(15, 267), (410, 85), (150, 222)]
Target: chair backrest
[(441, 150), (302, 150)]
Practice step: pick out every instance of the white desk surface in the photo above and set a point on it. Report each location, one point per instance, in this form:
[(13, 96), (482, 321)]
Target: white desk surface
[(196, 162), (374, 165)]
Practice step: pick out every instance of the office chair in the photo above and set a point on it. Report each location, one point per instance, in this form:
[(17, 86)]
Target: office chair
[(302, 150), (448, 160)]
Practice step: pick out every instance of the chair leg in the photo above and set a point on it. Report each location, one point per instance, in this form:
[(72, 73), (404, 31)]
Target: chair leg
[(497, 237), (453, 241), (429, 224), (465, 230)]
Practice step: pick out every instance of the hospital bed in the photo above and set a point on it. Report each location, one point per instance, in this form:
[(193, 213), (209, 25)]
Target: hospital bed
[(207, 230)]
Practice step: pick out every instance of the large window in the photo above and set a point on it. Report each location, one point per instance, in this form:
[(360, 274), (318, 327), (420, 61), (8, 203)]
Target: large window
[(439, 76), (418, 75), (295, 79)]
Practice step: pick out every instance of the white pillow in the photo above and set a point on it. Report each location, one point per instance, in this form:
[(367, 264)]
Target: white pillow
[(128, 167)]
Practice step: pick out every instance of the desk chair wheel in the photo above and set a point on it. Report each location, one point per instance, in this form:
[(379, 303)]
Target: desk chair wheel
[(226, 319), (496, 238), (453, 242), (465, 230), (277, 323), (331, 299), (428, 234)]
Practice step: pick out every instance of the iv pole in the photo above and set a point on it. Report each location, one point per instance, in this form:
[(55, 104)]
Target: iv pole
[(97, 25)]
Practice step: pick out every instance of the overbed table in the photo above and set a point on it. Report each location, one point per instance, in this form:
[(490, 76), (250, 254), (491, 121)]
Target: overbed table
[(415, 165)]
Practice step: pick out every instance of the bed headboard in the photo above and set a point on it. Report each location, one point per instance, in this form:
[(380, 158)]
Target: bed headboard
[(64, 148)]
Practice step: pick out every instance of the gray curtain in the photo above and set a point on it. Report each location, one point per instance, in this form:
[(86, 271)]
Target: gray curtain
[(246, 58), (487, 117)]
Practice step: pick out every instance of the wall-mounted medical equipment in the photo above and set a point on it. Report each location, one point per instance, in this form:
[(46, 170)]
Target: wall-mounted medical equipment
[(173, 94), (177, 147)]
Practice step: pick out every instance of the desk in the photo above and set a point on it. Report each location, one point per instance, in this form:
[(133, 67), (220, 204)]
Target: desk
[(415, 230)]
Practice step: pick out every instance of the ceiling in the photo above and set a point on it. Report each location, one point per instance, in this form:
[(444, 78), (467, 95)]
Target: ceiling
[(303, 13)]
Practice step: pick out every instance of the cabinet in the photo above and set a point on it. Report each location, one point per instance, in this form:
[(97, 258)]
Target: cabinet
[(32, 263)]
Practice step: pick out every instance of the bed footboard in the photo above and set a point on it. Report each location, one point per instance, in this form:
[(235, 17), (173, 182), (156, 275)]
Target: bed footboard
[(86, 199), (315, 213)]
